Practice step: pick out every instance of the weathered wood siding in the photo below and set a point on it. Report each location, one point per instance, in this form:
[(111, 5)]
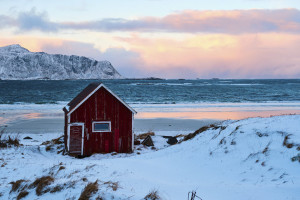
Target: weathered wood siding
[(103, 106)]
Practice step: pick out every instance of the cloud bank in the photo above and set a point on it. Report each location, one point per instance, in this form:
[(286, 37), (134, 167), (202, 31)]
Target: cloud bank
[(207, 44), (192, 21), (224, 56), (188, 21)]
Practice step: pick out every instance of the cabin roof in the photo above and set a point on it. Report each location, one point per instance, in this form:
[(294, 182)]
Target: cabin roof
[(86, 93)]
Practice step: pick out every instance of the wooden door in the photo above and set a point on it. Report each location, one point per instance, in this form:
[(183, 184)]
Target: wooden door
[(76, 138)]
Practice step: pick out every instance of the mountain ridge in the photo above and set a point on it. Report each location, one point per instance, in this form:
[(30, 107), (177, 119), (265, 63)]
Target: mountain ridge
[(18, 63)]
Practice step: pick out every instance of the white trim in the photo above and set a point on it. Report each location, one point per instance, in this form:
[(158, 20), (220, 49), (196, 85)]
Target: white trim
[(101, 122), (68, 142), (95, 90), (68, 133), (82, 139), (132, 133), (82, 135)]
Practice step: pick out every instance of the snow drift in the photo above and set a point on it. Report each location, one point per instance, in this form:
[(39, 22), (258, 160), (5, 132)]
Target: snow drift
[(255, 158)]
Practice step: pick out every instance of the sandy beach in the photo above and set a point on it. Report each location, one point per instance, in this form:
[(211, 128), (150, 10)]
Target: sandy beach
[(237, 155), (55, 125), (34, 118)]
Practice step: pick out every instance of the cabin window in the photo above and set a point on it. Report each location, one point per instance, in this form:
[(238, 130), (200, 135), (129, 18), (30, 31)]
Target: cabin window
[(102, 126)]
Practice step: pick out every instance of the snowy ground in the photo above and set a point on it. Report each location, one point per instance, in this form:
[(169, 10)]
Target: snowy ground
[(244, 159)]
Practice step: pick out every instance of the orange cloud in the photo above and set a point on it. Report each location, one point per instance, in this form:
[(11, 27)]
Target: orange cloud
[(269, 55), (227, 56)]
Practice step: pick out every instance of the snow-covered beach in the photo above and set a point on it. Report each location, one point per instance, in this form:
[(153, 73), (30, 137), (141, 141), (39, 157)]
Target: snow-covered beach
[(250, 152), (39, 118), (150, 100), (254, 158)]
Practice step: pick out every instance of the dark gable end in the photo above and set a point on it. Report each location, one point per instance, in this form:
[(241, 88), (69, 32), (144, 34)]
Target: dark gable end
[(87, 91), (80, 97)]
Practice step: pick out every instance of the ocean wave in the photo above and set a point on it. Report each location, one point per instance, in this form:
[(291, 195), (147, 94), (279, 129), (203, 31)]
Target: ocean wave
[(241, 84), (141, 105), (163, 84), (33, 106)]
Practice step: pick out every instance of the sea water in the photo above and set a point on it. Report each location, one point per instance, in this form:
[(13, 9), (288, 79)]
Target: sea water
[(155, 91), (195, 99)]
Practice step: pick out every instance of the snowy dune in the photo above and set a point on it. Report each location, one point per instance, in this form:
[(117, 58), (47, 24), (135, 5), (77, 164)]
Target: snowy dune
[(243, 159)]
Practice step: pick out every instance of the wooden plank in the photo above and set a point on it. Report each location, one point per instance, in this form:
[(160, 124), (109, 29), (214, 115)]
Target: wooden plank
[(117, 140), (102, 106), (75, 139)]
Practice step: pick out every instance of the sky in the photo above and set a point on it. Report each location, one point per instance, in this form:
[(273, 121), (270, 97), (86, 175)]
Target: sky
[(164, 38)]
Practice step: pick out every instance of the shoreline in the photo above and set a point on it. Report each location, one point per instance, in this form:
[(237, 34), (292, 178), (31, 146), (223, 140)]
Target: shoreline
[(49, 118), (48, 125)]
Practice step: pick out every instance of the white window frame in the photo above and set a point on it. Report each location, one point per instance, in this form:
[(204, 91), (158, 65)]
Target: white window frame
[(101, 122)]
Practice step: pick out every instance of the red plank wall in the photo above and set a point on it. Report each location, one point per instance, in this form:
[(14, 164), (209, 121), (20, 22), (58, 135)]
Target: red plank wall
[(103, 106)]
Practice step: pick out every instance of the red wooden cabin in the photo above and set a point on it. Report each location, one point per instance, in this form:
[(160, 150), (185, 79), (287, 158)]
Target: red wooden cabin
[(98, 121)]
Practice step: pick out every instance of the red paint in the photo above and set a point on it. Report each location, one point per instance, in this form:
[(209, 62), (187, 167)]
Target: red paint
[(116, 140), (106, 146), (103, 106)]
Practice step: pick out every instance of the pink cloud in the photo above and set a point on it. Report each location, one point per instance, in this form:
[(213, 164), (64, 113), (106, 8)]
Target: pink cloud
[(224, 56), (268, 55)]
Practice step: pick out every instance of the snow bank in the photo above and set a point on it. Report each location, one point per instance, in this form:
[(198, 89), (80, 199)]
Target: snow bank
[(244, 159)]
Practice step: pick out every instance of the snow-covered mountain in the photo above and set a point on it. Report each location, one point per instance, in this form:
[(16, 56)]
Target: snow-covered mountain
[(18, 63)]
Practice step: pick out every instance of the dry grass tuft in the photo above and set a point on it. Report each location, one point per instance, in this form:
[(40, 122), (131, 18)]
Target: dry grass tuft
[(13, 141), (41, 184), (16, 185), (49, 148), (259, 134), (295, 158), (235, 130), (55, 143), (233, 142), (266, 149), (144, 135), (179, 135), (61, 168), (90, 188), (99, 198), (153, 195), (113, 185), (22, 194), (2, 144), (57, 188), (286, 143), (200, 130), (10, 141), (222, 141), (58, 140)]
